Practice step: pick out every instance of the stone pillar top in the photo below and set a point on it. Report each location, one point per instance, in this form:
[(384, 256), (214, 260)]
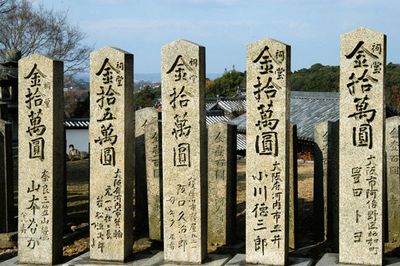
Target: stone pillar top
[(184, 152), (361, 159)]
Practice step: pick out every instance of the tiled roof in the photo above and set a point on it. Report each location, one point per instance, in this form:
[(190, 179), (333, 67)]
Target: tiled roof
[(76, 123), (240, 142), (309, 108), (229, 105), (306, 109), (84, 124), (240, 123), (210, 105), (215, 119)]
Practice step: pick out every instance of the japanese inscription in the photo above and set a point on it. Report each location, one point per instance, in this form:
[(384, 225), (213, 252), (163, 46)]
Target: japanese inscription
[(40, 187), (362, 68), (268, 68), (393, 177), (183, 147), (111, 142), (154, 178), (221, 184), (143, 193)]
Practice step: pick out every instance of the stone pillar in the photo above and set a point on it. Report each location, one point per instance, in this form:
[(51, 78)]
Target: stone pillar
[(362, 116), (320, 202), (333, 185), (154, 179), (293, 188), (143, 117), (326, 179), (184, 152), (111, 138), (268, 158), (3, 111), (7, 211), (393, 178), (221, 183), (41, 160)]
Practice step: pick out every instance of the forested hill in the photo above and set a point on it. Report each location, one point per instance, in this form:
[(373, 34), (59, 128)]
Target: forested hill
[(326, 78), (316, 78)]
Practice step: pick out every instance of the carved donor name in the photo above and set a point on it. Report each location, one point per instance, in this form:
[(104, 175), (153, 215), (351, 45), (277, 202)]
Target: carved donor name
[(362, 68), (111, 135), (267, 170), (184, 152), (41, 160)]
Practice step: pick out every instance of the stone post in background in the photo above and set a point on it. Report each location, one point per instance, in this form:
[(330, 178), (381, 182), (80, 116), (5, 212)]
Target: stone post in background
[(362, 144), (393, 178), (154, 179), (326, 180), (221, 184), (268, 158), (7, 211), (143, 117), (293, 188), (3, 111), (111, 137), (41, 157), (184, 152)]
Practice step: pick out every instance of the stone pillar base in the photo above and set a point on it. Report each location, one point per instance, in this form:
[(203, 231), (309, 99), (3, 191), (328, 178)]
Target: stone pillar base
[(332, 259), (145, 259), (240, 259)]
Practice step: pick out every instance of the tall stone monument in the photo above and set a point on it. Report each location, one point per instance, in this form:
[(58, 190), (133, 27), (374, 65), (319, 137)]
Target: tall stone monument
[(41, 160), (221, 184), (111, 136), (7, 210), (326, 180), (154, 179), (184, 152), (143, 117), (393, 178), (362, 143), (267, 168)]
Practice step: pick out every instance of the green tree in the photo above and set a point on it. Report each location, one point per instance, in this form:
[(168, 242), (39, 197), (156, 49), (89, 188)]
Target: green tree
[(82, 108), (227, 85), (147, 96), (316, 78)]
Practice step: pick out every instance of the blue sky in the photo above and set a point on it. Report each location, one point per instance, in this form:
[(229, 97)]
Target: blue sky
[(225, 27)]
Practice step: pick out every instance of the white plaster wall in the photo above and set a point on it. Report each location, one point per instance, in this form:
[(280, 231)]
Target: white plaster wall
[(79, 138)]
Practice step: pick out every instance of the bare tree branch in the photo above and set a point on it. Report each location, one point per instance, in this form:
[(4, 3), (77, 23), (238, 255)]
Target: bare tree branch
[(40, 30)]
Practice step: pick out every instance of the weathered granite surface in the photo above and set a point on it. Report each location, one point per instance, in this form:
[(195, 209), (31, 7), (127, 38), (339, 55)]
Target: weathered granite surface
[(143, 117), (221, 184), (326, 181), (240, 260), (184, 152), (332, 259), (154, 179), (111, 136), (362, 116), (267, 153), (393, 177), (41, 177)]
